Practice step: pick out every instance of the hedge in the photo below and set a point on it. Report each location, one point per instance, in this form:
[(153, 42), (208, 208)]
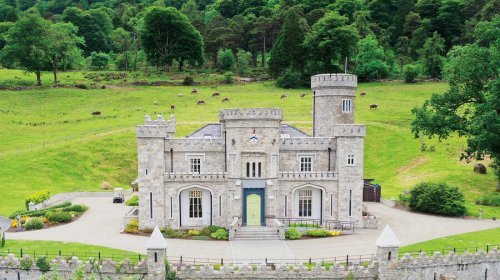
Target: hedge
[(58, 217), (38, 213), (440, 199), (37, 197), (33, 223)]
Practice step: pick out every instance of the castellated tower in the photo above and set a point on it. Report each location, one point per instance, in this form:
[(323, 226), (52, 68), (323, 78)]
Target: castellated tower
[(151, 167), (334, 117), (333, 102)]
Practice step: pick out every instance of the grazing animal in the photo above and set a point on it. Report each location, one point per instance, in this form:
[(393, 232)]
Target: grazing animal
[(215, 94), (302, 95), (373, 106), (284, 96), (200, 102), (194, 91), (96, 113), (172, 107), (225, 99), (363, 94)]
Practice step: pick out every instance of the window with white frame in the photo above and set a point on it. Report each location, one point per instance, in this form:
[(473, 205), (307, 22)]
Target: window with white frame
[(305, 203), (195, 165), (305, 164), (195, 209), (350, 159), (346, 105)]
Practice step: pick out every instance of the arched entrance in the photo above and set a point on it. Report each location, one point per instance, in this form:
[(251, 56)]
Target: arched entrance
[(308, 202), (254, 207), (195, 203)]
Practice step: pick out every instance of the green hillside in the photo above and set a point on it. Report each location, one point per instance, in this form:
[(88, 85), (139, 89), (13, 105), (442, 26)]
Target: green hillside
[(49, 139)]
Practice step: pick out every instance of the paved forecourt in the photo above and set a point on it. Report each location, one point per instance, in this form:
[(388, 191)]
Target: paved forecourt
[(102, 223)]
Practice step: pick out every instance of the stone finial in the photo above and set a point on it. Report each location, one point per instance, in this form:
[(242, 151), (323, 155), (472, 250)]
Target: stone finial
[(387, 238), (156, 241), (147, 119)]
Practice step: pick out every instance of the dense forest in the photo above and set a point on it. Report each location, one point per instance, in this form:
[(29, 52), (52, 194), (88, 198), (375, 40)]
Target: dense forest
[(283, 39)]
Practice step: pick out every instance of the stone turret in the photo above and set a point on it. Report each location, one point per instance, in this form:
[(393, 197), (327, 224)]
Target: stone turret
[(387, 246), (333, 102), (157, 254)]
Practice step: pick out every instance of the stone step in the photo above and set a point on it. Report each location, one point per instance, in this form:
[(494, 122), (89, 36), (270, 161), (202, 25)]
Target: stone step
[(256, 233)]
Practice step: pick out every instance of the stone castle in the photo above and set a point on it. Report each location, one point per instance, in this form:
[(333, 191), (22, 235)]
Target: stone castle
[(251, 166)]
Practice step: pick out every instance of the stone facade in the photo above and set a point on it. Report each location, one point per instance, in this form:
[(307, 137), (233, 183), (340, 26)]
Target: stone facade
[(208, 177)]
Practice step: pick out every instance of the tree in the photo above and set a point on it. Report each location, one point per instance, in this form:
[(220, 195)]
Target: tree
[(330, 41), (27, 43), (7, 12), (471, 106), (99, 60), (4, 29), (243, 60), (121, 42), (450, 21), (226, 59), (168, 36), (432, 57), (63, 47), (289, 50), (371, 60)]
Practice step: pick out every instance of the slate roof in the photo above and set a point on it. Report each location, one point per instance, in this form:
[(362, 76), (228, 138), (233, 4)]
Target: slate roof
[(214, 130)]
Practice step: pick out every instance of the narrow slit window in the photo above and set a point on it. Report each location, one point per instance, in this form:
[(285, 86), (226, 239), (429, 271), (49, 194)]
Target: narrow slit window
[(195, 207), (151, 205), (350, 203), (350, 160), (331, 204), (286, 205), (220, 206), (171, 207), (253, 169), (248, 169), (260, 169)]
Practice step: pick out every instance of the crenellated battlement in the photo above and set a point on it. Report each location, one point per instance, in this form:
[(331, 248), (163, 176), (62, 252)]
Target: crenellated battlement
[(156, 128), (306, 143), (349, 130), (251, 113), (334, 81), (452, 258)]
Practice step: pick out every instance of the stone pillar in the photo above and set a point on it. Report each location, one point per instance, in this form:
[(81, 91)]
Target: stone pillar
[(157, 255), (387, 246)]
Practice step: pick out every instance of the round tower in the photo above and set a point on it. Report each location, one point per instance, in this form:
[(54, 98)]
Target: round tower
[(333, 103)]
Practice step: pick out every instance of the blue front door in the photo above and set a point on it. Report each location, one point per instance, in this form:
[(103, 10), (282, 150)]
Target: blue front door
[(254, 201)]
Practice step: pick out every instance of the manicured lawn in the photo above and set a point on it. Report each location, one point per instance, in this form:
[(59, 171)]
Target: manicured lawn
[(49, 139), (65, 249), (460, 242)]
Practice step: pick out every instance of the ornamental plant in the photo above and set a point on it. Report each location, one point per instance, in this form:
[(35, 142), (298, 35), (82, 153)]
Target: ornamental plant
[(132, 226), (292, 233), (37, 197), (318, 233), (439, 198), (220, 234), (33, 223), (58, 217), (43, 264)]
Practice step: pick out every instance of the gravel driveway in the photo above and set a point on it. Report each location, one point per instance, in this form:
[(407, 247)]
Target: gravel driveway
[(101, 225)]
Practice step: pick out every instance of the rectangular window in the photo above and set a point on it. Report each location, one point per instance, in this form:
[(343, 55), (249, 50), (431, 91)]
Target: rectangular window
[(248, 169), (195, 210), (253, 169), (195, 165), (305, 203), (346, 106), (286, 205), (171, 207), (350, 159), (220, 206), (305, 164), (331, 204), (260, 169)]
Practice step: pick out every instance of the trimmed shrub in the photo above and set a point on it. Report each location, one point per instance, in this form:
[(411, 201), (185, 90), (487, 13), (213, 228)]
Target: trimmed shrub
[(335, 233), (14, 223), (440, 199), (213, 229), (132, 226), (194, 232), (410, 72), (491, 199), (26, 262), (78, 208), (288, 79), (188, 81), (318, 233), (38, 213), (206, 232), (201, 237), (133, 201), (33, 223), (43, 264), (292, 233), (37, 197), (220, 234), (58, 217), (171, 233)]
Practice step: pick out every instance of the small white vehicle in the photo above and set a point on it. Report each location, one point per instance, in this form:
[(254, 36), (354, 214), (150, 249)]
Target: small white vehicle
[(118, 196)]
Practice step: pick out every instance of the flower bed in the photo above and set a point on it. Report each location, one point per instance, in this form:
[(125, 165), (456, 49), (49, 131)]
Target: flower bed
[(206, 233), (293, 234), (58, 214)]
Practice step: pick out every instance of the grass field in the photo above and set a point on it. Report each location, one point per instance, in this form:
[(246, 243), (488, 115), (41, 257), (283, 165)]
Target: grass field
[(460, 242), (49, 139), (65, 249)]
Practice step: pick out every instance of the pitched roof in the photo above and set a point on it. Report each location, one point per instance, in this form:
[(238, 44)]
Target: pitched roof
[(156, 241), (214, 130), (387, 238)]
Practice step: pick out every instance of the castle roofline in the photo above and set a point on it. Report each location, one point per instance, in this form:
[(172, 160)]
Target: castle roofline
[(334, 81), (251, 113)]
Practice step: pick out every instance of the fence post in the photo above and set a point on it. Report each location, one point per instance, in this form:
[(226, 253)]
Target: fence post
[(21, 252), (487, 247), (99, 256), (266, 261), (309, 261), (347, 261), (221, 261), (59, 252), (181, 259)]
